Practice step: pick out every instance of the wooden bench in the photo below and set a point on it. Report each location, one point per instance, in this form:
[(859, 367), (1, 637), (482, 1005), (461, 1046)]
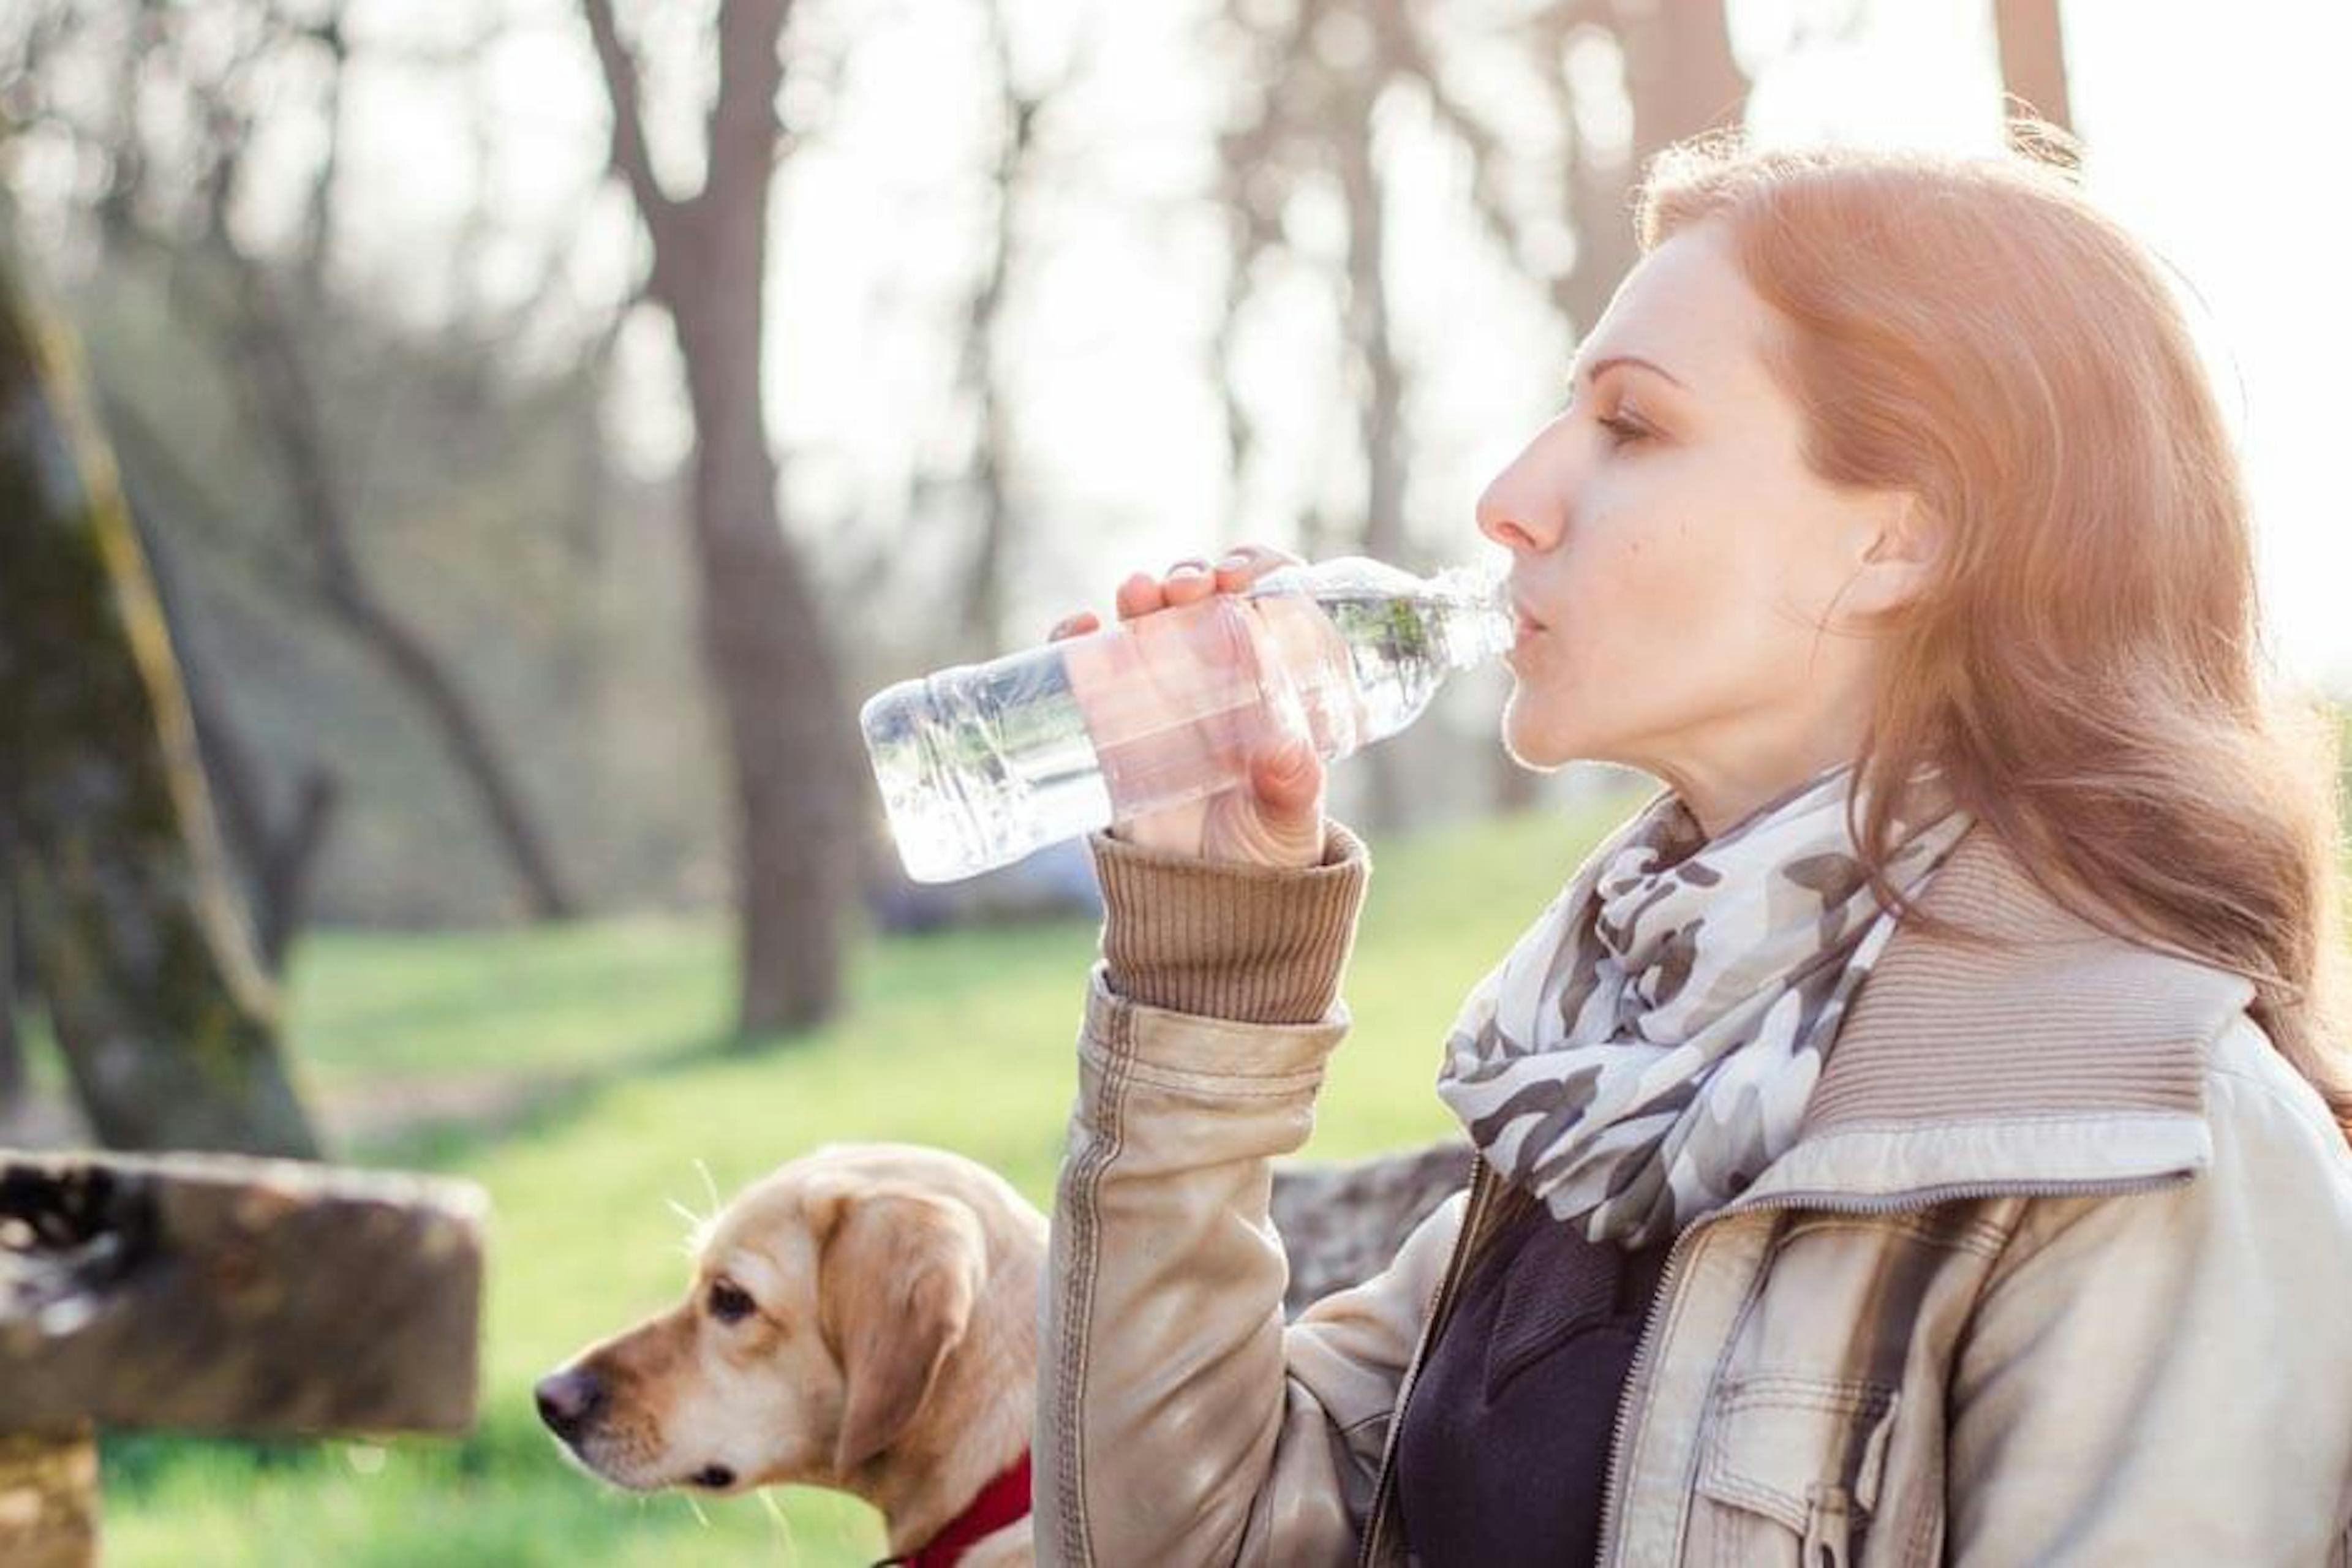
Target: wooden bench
[(207, 1293)]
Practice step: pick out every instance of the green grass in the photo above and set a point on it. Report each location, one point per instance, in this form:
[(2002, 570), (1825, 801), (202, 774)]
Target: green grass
[(961, 1039), (576, 998)]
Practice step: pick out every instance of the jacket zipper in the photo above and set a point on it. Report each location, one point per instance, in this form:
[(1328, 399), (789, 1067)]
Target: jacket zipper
[(1376, 1516), (1612, 1489)]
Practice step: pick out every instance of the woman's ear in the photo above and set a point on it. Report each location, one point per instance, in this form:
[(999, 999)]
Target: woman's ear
[(1900, 560)]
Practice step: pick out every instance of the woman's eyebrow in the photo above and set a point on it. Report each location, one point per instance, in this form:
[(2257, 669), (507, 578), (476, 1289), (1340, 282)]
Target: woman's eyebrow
[(1592, 373)]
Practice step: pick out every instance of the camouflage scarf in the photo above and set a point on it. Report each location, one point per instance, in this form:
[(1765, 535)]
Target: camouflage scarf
[(1648, 1045)]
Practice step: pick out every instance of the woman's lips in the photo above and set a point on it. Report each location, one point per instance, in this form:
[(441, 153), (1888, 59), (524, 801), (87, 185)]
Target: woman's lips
[(1528, 632), (1525, 627)]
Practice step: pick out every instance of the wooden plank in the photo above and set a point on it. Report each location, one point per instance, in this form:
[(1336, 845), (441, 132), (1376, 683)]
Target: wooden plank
[(48, 1500), (220, 1294)]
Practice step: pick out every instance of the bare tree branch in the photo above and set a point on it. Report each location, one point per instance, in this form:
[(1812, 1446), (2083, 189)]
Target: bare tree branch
[(979, 370), (318, 216), (1502, 224), (631, 155), (288, 414), (277, 862), (1247, 150)]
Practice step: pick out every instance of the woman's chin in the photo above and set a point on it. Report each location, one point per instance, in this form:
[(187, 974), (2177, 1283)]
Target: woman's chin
[(1532, 745)]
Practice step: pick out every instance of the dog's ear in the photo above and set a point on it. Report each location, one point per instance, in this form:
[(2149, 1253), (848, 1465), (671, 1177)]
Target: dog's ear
[(896, 1283)]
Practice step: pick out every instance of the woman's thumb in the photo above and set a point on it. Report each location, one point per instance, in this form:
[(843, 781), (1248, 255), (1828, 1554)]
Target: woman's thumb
[(1287, 778)]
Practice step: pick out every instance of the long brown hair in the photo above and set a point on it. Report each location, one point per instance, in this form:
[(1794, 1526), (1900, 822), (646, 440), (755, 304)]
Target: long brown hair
[(2087, 670)]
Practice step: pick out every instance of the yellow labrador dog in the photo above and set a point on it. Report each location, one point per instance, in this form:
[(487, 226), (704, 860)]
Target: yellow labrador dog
[(864, 1319)]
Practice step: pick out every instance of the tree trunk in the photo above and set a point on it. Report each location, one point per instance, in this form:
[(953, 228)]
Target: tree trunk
[(791, 741), (12, 1050), (764, 645), (979, 374), (2034, 60), (1379, 404), (282, 875), (1680, 74), (167, 1027)]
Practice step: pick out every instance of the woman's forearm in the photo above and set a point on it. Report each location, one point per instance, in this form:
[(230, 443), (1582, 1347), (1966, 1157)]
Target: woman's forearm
[(1162, 1397)]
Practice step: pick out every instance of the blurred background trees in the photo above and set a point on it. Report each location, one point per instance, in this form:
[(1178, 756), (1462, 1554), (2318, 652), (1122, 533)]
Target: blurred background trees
[(545, 420)]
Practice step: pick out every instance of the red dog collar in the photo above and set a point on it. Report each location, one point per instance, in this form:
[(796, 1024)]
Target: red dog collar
[(1000, 1503)]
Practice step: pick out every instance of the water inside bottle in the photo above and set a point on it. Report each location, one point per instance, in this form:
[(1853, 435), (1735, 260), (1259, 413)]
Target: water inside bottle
[(1404, 638), (1400, 652), (981, 764)]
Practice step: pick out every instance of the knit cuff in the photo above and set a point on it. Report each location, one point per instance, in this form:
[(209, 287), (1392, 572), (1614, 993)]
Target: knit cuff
[(1253, 944)]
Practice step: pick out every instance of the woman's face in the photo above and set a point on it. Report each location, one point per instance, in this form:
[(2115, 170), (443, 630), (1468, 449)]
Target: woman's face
[(1674, 561)]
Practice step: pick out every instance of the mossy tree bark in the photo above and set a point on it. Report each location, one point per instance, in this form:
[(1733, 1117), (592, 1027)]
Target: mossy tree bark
[(167, 1025), (12, 1053)]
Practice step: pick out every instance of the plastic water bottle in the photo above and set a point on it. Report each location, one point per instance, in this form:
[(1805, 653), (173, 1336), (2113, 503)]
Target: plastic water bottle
[(979, 764)]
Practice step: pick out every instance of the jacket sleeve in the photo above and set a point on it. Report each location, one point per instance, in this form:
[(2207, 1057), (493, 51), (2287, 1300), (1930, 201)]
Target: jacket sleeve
[(1178, 1421), (2163, 1377)]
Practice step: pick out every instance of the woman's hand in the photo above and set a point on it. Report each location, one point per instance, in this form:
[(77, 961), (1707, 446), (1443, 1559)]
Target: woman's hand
[(1276, 819)]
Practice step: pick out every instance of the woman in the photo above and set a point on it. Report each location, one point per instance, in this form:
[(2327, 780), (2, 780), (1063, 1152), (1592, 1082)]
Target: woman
[(1892, 525)]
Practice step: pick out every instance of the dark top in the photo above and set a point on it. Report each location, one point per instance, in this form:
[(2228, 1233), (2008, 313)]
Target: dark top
[(1504, 1453)]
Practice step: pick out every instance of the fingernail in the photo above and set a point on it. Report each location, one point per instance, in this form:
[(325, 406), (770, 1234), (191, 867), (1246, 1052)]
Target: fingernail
[(1232, 562)]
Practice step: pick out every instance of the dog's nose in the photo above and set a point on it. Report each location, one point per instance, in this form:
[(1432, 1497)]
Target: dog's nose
[(568, 1401)]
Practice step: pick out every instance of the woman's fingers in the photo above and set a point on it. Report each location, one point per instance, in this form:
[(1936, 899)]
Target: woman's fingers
[(1075, 625), (1188, 583), (1139, 595), (1194, 579), (1245, 564)]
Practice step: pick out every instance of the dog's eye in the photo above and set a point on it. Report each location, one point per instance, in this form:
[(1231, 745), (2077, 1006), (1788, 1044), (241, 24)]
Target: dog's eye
[(729, 1304)]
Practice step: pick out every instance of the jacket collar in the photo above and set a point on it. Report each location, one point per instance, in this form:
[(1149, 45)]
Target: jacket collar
[(2057, 1058)]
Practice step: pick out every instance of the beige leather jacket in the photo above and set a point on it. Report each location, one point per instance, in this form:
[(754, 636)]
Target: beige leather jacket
[(2060, 1269)]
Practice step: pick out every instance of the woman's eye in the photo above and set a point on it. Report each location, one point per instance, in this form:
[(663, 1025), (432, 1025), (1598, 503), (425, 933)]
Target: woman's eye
[(1621, 430), (729, 1304)]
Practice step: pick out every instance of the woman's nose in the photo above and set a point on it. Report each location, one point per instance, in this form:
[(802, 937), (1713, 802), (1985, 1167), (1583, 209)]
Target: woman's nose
[(1517, 513)]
